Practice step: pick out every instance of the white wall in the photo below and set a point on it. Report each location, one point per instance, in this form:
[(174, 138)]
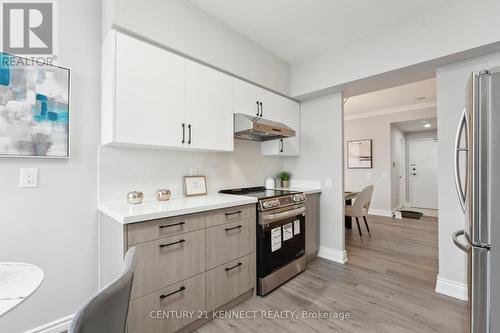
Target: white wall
[(451, 81), (447, 29), (182, 26), (54, 226), (320, 158), (378, 129), (395, 136), (125, 169)]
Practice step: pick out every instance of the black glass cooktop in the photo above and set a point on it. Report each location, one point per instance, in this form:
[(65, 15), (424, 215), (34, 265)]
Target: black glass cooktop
[(259, 192)]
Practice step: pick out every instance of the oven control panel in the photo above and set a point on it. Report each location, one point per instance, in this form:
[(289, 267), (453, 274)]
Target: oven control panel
[(283, 201)]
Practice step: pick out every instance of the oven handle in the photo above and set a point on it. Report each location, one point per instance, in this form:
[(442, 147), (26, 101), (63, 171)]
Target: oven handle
[(288, 213)]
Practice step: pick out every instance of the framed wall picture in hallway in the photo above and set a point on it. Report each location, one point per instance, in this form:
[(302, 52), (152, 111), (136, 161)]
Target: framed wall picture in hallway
[(359, 154)]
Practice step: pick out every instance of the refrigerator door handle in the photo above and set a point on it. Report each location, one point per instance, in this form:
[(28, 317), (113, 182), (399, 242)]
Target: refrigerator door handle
[(461, 188), (458, 243)]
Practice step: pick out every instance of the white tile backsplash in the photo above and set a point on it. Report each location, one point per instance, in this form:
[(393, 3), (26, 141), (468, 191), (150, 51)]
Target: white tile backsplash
[(126, 169)]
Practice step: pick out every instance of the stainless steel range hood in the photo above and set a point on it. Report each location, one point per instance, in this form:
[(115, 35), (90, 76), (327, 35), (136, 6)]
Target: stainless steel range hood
[(259, 129)]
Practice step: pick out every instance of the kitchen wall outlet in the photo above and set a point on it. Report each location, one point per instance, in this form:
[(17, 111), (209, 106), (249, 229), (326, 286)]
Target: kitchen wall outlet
[(368, 175), (329, 182), (384, 175), (193, 171), (29, 177)]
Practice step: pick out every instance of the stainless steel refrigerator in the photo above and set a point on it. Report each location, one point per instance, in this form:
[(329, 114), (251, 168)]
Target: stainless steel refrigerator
[(477, 176)]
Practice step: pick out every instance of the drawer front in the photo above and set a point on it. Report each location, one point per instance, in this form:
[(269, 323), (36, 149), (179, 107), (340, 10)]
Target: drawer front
[(146, 231), (168, 260), (232, 214), (230, 280), (229, 241), (148, 314)]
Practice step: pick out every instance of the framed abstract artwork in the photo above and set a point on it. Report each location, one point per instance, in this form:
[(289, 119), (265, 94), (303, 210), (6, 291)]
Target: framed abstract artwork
[(359, 154), (34, 108)]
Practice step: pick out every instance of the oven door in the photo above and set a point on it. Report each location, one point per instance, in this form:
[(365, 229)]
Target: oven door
[(280, 239)]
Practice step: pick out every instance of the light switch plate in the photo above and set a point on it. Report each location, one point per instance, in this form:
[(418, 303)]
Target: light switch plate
[(329, 182), (28, 177)]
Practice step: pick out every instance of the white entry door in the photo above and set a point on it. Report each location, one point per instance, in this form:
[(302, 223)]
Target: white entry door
[(423, 173), (401, 164)]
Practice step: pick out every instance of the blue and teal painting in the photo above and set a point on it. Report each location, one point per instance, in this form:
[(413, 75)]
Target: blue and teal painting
[(34, 108)]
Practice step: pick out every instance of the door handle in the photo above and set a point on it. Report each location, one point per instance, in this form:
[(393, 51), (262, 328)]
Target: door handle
[(462, 129), (281, 144), (258, 110), (183, 133), (189, 135), (460, 245), (261, 109), (173, 293)]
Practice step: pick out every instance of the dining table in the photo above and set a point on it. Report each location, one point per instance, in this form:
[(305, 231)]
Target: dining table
[(17, 282), (349, 196)]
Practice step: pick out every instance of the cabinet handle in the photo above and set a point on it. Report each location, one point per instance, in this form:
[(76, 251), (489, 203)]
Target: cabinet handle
[(173, 293), (189, 135), (261, 109), (281, 144), (233, 267), (171, 225), (238, 227), (258, 110), (170, 244), (233, 213), (183, 133)]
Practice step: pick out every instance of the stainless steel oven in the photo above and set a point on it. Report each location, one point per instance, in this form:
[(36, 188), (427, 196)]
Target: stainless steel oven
[(281, 243)]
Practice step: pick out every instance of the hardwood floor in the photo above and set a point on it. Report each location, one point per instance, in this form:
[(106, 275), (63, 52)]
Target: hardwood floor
[(386, 286)]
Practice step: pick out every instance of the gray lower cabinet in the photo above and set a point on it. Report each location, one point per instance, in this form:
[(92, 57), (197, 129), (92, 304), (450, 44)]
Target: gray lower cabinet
[(186, 265), (312, 225)]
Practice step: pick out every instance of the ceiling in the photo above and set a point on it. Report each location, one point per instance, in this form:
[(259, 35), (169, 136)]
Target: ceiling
[(299, 29), (417, 125), (407, 94)]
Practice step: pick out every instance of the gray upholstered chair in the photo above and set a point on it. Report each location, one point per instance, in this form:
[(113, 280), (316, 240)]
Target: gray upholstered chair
[(360, 207), (106, 311)]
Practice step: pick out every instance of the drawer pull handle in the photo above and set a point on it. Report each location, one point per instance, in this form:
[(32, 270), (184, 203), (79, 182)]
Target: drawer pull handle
[(171, 225), (234, 213), (169, 244), (238, 227), (233, 267), (174, 292)]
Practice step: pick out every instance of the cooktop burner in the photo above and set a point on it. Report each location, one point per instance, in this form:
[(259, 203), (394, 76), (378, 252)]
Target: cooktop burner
[(259, 192)]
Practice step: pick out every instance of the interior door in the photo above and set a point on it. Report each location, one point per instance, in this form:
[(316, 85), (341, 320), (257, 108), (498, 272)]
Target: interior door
[(150, 94), (423, 173), (209, 108)]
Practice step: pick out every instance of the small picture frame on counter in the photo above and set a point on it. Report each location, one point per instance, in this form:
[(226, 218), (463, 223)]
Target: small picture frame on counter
[(195, 185)]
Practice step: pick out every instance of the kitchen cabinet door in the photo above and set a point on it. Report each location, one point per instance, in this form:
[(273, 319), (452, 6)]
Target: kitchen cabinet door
[(288, 114), (209, 108), (246, 97), (150, 94), (312, 225)]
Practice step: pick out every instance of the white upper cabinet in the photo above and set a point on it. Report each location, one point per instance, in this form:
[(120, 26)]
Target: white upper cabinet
[(253, 100), (154, 98), (150, 92), (209, 108), (289, 114)]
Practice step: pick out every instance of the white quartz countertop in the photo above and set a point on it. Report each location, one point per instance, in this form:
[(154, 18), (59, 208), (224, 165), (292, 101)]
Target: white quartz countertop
[(149, 210), (17, 282), (305, 189)]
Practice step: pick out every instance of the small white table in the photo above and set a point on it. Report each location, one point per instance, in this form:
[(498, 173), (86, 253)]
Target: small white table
[(17, 282)]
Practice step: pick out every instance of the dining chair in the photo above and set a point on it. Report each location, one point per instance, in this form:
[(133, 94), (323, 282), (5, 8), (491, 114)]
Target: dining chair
[(360, 207), (107, 310)]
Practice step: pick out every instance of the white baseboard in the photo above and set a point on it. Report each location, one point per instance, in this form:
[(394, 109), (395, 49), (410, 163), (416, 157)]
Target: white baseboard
[(333, 255), (451, 288), (57, 326), (380, 212)]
